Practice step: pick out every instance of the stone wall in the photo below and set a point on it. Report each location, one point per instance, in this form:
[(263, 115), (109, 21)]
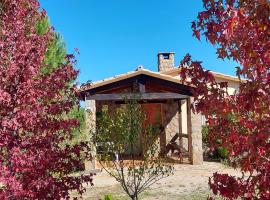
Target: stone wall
[(192, 126), (112, 107), (170, 123), (170, 119)]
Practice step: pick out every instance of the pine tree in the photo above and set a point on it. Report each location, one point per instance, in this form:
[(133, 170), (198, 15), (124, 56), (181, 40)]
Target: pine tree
[(54, 57)]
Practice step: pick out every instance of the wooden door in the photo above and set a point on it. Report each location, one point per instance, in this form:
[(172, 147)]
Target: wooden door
[(153, 117), (153, 113)]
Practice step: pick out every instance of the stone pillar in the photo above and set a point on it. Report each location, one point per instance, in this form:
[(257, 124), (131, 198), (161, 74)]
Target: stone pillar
[(90, 119), (195, 132)]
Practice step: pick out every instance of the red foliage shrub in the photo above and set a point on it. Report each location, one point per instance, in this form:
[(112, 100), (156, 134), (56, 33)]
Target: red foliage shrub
[(240, 31), (34, 163)]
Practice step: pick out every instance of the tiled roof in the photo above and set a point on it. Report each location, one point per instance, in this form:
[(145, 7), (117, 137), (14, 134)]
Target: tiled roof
[(138, 71), (169, 75), (215, 74)]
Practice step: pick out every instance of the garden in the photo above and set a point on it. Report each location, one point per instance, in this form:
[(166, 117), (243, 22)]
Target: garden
[(43, 142)]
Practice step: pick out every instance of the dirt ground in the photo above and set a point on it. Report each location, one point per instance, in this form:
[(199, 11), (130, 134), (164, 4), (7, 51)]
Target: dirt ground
[(189, 182)]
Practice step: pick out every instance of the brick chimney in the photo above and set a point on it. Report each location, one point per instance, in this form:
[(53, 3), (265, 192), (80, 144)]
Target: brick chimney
[(165, 61)]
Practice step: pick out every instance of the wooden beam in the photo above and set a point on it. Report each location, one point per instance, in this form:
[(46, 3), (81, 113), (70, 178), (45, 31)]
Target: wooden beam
[(180, 130), (146, 79), (157, 101), (142, 88), (142, 96), (183, 136), (138, 86)]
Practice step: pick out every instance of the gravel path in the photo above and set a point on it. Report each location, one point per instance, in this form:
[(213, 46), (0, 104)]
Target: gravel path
[(188, 182)]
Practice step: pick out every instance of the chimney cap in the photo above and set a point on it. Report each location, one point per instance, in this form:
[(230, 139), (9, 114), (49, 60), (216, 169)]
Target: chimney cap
[(165, 53), (139, 68)]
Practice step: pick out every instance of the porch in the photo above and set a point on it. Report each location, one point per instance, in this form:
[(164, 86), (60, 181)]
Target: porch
[(180, 136)]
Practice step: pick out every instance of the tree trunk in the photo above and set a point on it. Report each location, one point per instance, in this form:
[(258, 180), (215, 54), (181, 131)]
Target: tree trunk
[(134, 197)]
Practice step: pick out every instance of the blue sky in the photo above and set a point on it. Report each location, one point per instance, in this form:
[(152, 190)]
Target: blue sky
[(115, 36)]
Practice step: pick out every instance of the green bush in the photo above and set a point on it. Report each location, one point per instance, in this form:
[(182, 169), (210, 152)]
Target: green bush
[(220, 153), (108, 197), (205, 135)]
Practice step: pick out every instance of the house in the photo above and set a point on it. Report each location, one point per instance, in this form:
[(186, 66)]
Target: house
[(161, 94)]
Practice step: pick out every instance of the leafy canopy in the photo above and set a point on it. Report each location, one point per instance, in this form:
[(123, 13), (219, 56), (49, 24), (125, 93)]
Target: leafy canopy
[(33, 164), (239, 30)]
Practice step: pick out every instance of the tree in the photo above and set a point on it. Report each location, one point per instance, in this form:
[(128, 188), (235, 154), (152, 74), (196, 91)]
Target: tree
[(56, 53), (127, 149), (239, 30), (33, 164), (54, 57)]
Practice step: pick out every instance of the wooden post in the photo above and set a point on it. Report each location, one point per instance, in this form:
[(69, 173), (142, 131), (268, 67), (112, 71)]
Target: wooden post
[(180, 130), (189, 130)]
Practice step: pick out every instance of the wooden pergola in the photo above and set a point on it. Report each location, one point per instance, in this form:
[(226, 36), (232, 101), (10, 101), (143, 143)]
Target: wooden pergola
[(157, 92)]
